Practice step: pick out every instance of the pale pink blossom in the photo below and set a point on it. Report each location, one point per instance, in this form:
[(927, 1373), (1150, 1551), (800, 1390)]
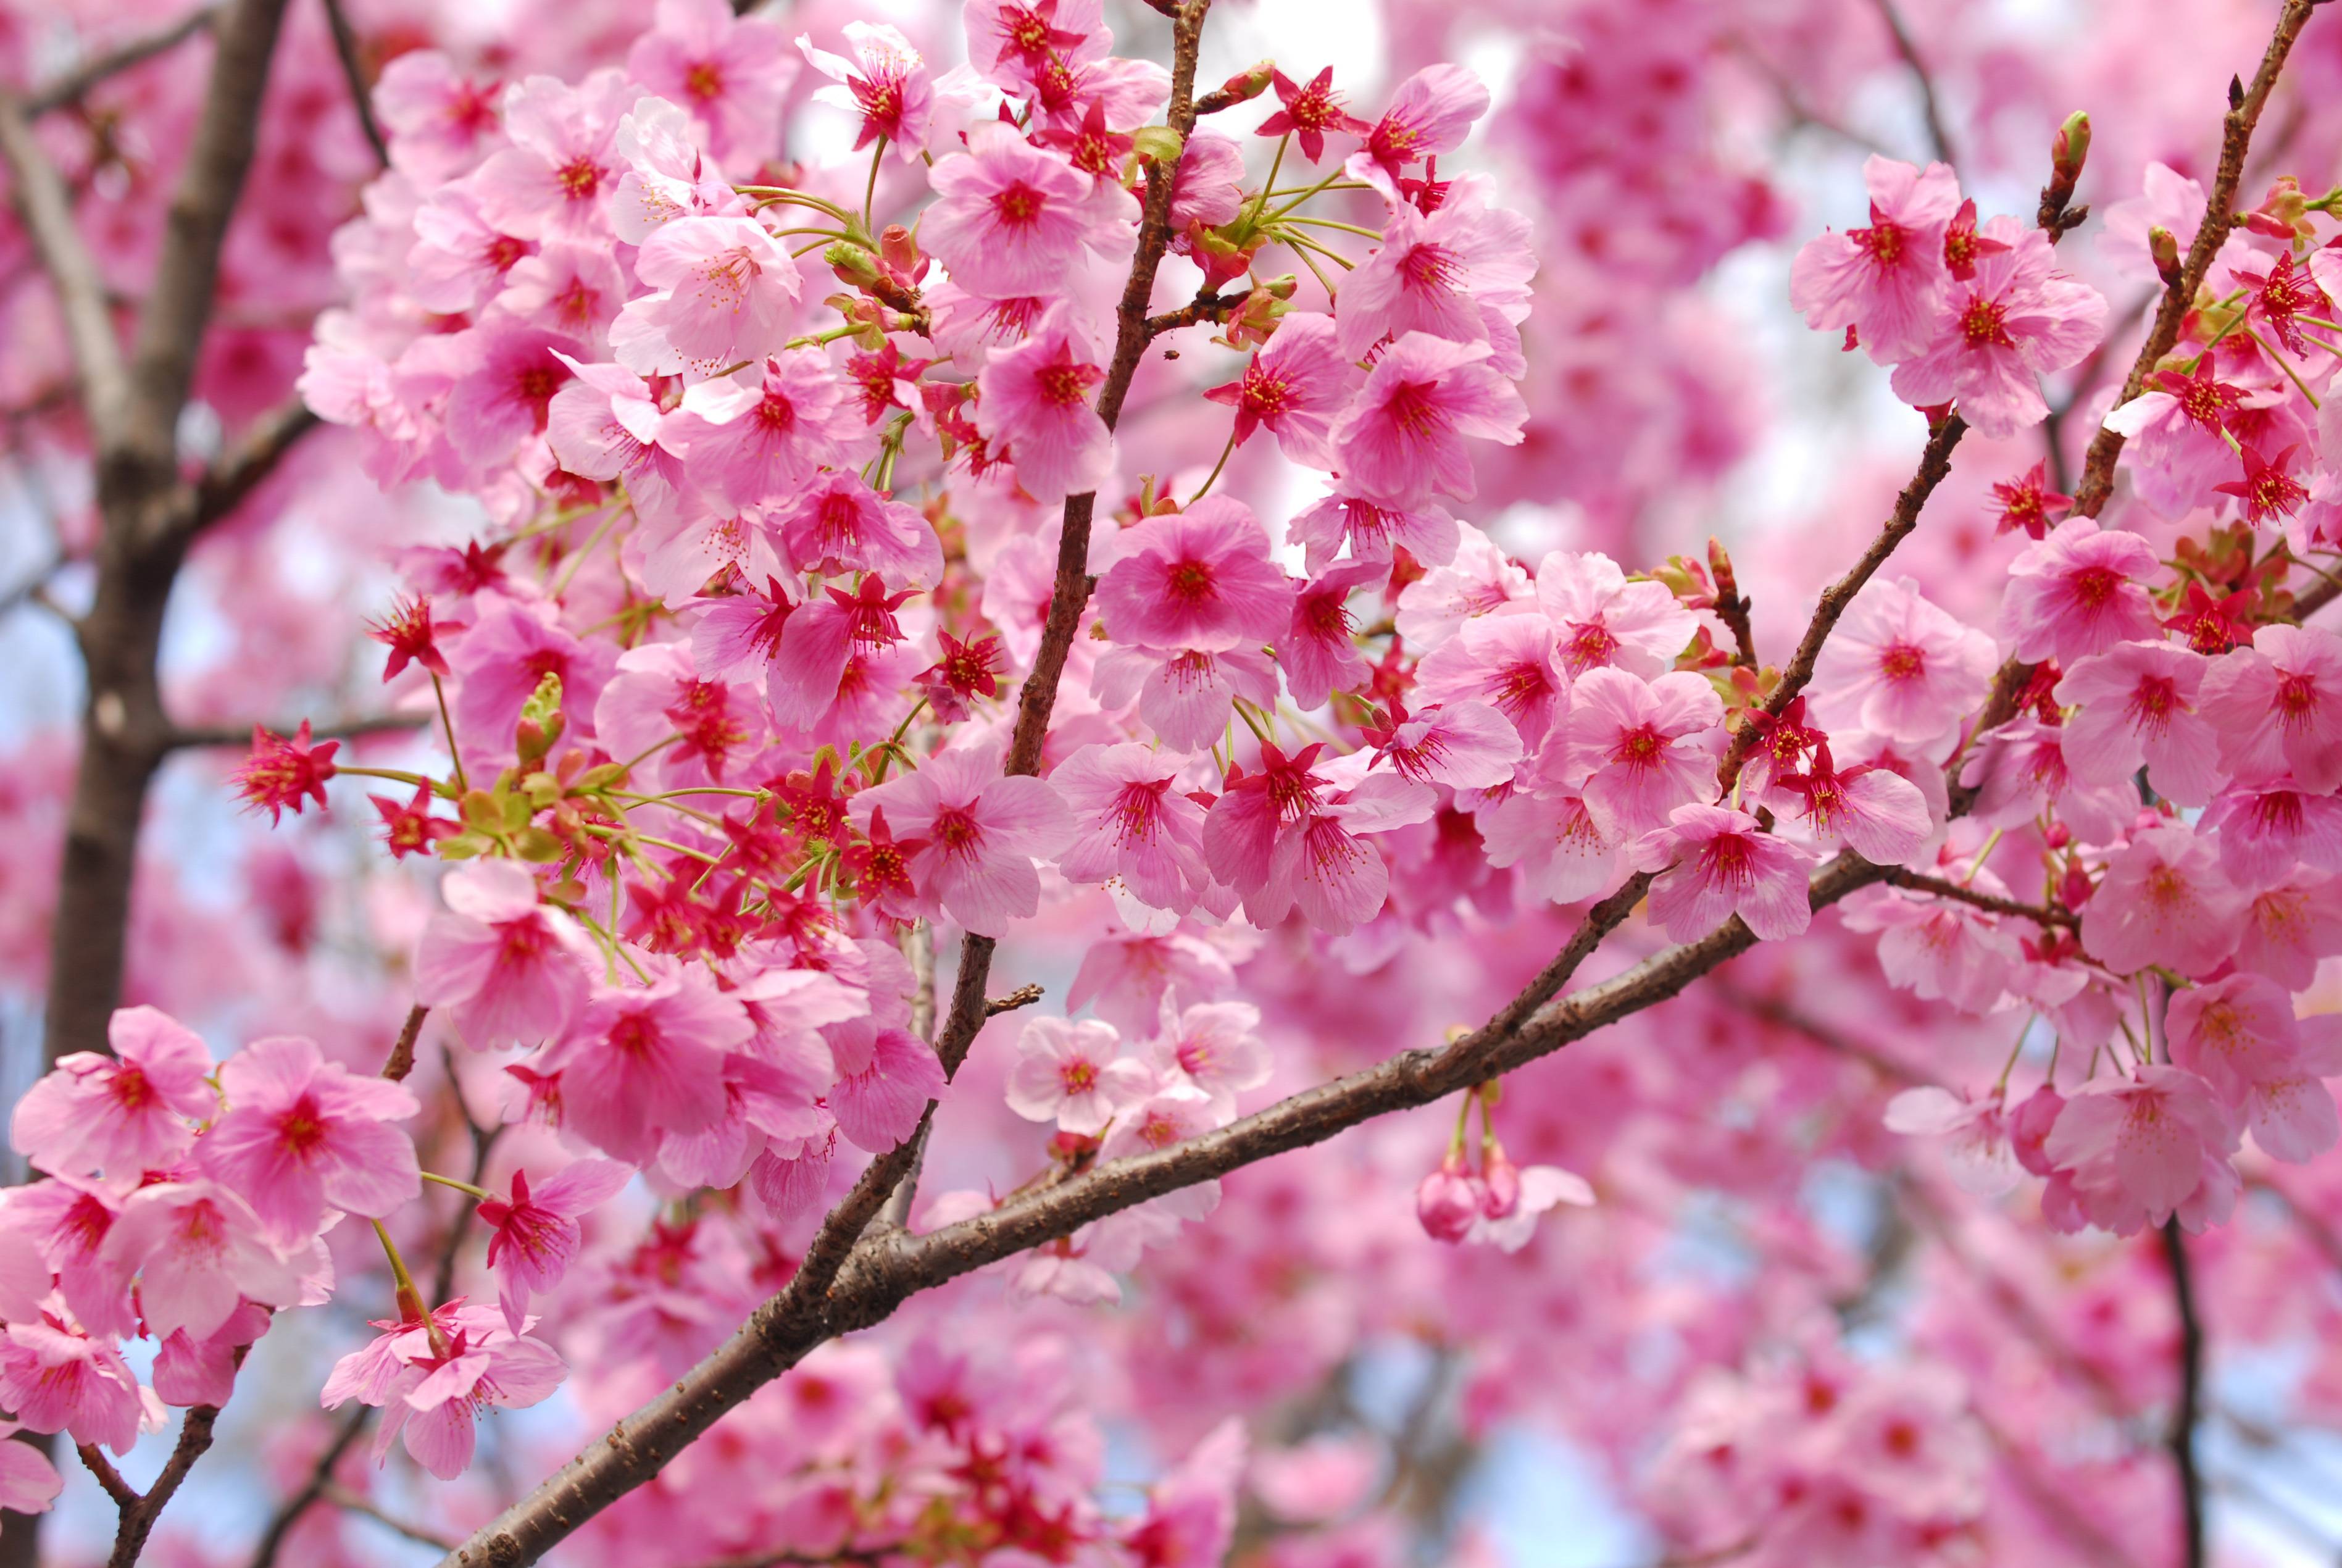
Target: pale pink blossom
[(1898, 667), (301, 1133), (1879, 814), (980, 834), (2277, 706), (1438, 272), (2138, 1148), (558, 174), (1373, 533), (1976, 1135), (1512, 1200), (1208, 189), (440, 123), (1199, 579), (2177, 434), (1401, 437), (1214, 1047), (1186, 696), (2164, 899), (2138, 707), (1883, 284), (59, 1379), (536, 1234), (432, 1380), (2265, 829), (723, 291), (1508, 663), (844, 525), (666, 176), (730, 72), (1478, 580), (1431, 113), (122, 1114), (1936, 948), (29, 1484), (1133, 823), (572, 290), (1715, 863), (1639, 749), (1604, 620), (2240, 1035), (1464, 745), (507, 969), (458, 261), (762, 431), (1009, 42), (1035, 409), (605, 425), (504, 383), (1014, 220), (640, 1063), (1074, 1075), (1996, 333), (1562, 853), (198, 1249), (885, 1076), (2078, 592), (2021, 771), (2289, 927)]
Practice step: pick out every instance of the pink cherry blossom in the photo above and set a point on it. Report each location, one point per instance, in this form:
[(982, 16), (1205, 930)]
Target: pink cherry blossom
[(1318, 652), (1426, 532), (1009, 41), (885, 1079), (1640, 749), (1898, 667), (1199, 579), (1133, 823), (1883, 284), (433, 1379), (1564, 855), (2277, 705), (763, 431), (560, 169), (1013, 219), (2139, 707), (2079, 592), (1186, 696), (2138, 1147), (2164, 899), (844, 525), (1996, 333), (1715, 863), (2266, 828), (1402, 436), (887, 84), (537, 1232), (440, 123), (2240, 1035), (1438, 274), (605, 425), (981, 831), (198, 1249), (730, 73), (640, 1063), (1976, 1135), (1604, 620), (2176, 434), (1035, 411), (1879, 814), (1294, 387), (2022, 771), (2289, 927), (302, 1134), (723, 291), (507, 969), (1074, 1074), (1214, 1046), (1509, 663), (29, 1484), (1431, 113), (124, 1114), (1464, 745), (58, 1379)]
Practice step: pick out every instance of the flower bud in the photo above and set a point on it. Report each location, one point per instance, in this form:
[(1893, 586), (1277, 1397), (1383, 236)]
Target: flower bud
[(2071, 148), (899, 249), (1500, 1191), (2163, 247), (855, 267), (1446, 1203), (1247, 84), (2028, 1128)]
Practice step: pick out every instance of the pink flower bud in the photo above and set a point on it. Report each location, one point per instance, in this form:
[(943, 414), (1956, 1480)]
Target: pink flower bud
[(2028, 1128), (1447, 1202), (1500, 1179)]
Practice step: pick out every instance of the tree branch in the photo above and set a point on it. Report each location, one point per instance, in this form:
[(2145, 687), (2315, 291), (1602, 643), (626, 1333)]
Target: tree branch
[(1023, 996), (46, 208), (74, 85), (194, 736), (2040, 914), (2182, 1440), (350, 1502), (345, 45), (1937, 142), (238, 472)]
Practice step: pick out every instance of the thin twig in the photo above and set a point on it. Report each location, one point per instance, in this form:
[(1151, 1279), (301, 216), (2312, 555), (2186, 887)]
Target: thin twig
[(2040, 914), (401, 1060), (350, 1502), (1023, 996), (1938, 143), (2182, 1440), (345, 45), (238, 737), (70, 87), (125, 1496)]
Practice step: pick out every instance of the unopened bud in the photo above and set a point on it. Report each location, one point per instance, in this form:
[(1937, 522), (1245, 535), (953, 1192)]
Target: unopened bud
[(2071, 149), (1247, 84), (1281, 287), (2163, 247), (854, 266), (899, 248)]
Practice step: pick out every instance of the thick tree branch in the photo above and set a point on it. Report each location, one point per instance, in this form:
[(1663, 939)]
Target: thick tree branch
[(2182, 1440), (74, 85), (2219, 210), (44, 206)]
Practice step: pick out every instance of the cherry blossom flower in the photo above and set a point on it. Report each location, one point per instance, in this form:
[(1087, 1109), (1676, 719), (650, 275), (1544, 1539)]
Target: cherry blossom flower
[(605, 423), (1294, 387), (1132, 823), (1035, 411), (2289, 927), (981, 831), (1640, 749), (723, 292), (2176, 434), (1186, 695), (2239, 1035), (1009, 41), (281, 772), (507, 969), (1431, 113), (1606, 621), (1200, 579), (2266, 828), (198, 1249), (2022, 771), (58, 1379), (763, 430), (1515, 1199), (2164, 899), (843, 525), (2277, 705), (1464, 745), (640, 1063), (2138, 1148), (1564, 855), (885, 1077), (1074, 1074), (1013, 219), (1976, 1135), (1318, 652), (1401, 436), (2139, 707), (1884, 283), (1426, 532), (1509, 663), (2077, 593), (1715, 863), (1877, 813), (1898, 667), (122, 1114), (441, 123), (1438, 273), (433, 1379), (732, 73), (29, 1484), (560, 169), (536, 1234), (1309, 112), (1996, 334), (2028, 504), (301, 1132), (887, 84), (2268, 488), (1214, 1046)]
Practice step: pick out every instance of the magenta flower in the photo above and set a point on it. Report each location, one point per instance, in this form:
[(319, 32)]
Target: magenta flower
[(2078, 593), (605, 423), (2139, 1149), (283, 772), (122, 1113), (641, 1062), (1639, 749), (724, 291), (1882, 284), (1402, 436), (1035, 410), (1372, 533), (432, 1380), (1208, 189), (504, 393), (1716, 862), (1324, 865), (885, 1079), (1309, 112), (1879, 814), (2164, 899), (2277, 706), (2239, 1035), (1074, 1074), (844, 525), (1318, 651), (2268, 489), (1011, 42), (1898, 667), (1463, 745), (1606, 620), (559, 170), (2138, 707), (537, 1232), (197, 1250), (507, 969), (1439, 273), (1133, 825), (763, 431), (886, 84), (732, 73), (1432, 113), (302, 1134), (1294, 387), (1198, 579), (1511, 663), (59, 1379), (1997, 334), (982, 831), (2176, 435), (1014, 220)]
